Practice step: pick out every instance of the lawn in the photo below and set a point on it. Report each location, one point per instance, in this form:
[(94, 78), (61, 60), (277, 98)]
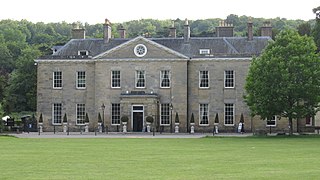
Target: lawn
[(206, 158)]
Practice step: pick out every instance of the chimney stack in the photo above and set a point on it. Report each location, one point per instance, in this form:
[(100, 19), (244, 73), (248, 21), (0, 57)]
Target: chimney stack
[(122, 31), (250, 31), (173, 31), (77, 32), (106, 31), (224, 29), (186, 31), (266, 29)]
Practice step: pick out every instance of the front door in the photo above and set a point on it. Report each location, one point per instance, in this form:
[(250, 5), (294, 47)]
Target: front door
[(137, 121), (137, 116)]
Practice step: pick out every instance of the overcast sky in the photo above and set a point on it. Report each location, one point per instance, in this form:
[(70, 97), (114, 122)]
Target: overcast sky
[(95, 11)]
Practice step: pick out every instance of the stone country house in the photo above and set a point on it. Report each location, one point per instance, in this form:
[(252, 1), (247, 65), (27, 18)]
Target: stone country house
[(157, 77)]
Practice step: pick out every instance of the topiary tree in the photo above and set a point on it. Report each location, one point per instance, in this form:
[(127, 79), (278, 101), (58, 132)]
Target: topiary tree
[(176, 120), (241, 118), (216, 119), (65, 119), (124, 118), (192, 118), (99, 118), (87, 118), (149, 119)]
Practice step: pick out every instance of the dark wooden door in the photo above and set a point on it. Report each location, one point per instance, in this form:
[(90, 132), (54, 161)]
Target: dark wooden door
[(137, 121)]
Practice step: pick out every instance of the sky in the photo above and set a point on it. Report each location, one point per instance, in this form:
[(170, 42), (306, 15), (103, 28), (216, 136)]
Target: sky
[(117, 11)]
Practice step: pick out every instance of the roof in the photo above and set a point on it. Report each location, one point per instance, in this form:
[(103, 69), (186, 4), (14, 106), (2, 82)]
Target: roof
[(219, 46)]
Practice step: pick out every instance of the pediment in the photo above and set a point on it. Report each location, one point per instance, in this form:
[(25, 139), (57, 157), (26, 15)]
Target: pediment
[(140, 48)]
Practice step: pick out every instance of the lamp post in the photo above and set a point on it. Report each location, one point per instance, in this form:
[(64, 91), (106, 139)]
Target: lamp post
[(103, 107), (171, 108)]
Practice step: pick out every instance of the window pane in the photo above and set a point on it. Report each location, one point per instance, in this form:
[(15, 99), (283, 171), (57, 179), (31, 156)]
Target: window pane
[(81, 113), (229, 79), (140, 79), (81, 79), (204, 79), (115, 82), (165, 114), (272, 121), (115, 114), (204, 114), (165, 78), (228, 114), (57, 114), (57, 79)]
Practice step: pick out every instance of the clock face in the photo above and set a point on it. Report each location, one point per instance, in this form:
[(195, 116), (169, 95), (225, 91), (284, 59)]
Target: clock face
[(140, 50)]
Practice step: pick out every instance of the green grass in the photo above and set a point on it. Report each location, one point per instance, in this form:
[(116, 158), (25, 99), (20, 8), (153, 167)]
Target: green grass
[(207, 158)]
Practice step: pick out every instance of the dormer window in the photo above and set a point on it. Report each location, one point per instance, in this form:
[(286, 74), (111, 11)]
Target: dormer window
[(83, 53), (204, 51)]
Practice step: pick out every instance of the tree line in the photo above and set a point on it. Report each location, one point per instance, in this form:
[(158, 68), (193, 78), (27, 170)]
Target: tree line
[(23, 41)]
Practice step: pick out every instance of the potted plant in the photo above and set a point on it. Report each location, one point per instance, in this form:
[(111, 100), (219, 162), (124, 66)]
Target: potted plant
[(216, 123), (40, 123), (65, 122), (149, 120), (176, 122), (241, 124), (86, 122), (124, 120), (192, 124)]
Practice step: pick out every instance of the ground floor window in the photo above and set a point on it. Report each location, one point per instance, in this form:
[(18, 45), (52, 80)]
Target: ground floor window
[(81, 113), (164, 114), (204, 114), (272, 121), (309, 120), (229, 114), (56, 113), (115, 114)]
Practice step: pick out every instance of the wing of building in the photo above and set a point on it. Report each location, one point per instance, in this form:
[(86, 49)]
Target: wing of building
[(158, 77)]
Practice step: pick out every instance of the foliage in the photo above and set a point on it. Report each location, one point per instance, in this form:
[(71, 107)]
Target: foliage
[(124, 118), (241, 118), (87, 118), (176, 120), (41, 118), (192, 118), (216, 119), (304, 29), (149, 119), (284, 80), (99, 118), (65, 119)]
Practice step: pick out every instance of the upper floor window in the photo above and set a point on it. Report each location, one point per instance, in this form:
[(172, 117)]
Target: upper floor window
[(204, 51), (229, 114), (140, 79), (229, 79), (272, 121), (81, 79), (81, 113), (204, 114), (57, 79), (165, 79), (115, 114), (164, 114), (204, 79), (115, 81), (56, 113)]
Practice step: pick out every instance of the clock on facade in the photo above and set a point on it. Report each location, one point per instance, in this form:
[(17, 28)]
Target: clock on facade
[(140, 50)]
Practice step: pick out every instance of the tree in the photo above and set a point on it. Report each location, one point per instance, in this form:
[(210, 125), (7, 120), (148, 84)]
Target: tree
[(284, 80), (316, 29), (304, 29)]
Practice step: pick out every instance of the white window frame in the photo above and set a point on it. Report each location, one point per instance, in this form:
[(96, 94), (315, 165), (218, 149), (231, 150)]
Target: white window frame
[(203, 108), (200, 79), (56, 113), (114, 77), (138, 78), (115, 113), (81, 114), (225, 79), (55, 80), (162, 78), (226, 116), (78, 80), (204, 51), (164, 114), (274, 119), (311, 121), (83, 51)]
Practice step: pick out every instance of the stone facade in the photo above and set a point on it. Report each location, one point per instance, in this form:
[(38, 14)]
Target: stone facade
[(183, 58)]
